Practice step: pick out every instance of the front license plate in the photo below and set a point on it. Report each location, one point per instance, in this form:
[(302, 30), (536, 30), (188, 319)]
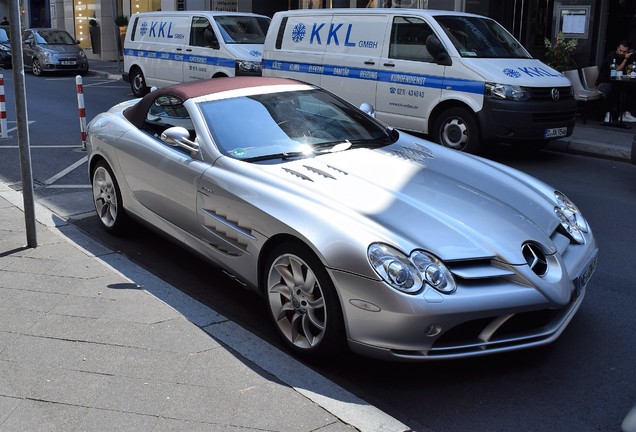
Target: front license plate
[(555, 132), (581, 281), (68, 63)]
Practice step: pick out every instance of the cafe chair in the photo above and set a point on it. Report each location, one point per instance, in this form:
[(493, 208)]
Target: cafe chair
[(585, 99), (590, 74)]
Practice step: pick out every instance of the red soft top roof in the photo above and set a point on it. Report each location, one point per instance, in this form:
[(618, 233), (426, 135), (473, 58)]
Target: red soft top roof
[(136, 114)]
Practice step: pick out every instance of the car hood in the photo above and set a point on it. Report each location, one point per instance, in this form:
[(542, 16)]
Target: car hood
[(61, 49), (252, 52), (454, 205), (522, 72)]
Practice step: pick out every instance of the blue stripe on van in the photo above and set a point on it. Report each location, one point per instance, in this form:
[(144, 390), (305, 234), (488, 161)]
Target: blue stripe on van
[(431, 81), (186, 58)]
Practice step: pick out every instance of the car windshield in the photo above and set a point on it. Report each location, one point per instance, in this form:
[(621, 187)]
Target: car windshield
[(54, 37), (243, 29), (481, 37), (274, 125)]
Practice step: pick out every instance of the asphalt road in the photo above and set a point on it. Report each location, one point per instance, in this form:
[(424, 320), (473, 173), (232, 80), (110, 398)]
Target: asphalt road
[(586, 381)]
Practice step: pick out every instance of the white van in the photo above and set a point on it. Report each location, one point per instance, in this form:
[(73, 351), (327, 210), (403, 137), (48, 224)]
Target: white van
[(163, 48), (459, 77)]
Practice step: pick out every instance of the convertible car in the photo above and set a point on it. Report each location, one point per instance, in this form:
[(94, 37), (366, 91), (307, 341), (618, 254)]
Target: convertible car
[(356, 235)]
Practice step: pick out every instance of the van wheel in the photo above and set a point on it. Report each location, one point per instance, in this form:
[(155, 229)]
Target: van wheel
[(456, 128), (138, 83)]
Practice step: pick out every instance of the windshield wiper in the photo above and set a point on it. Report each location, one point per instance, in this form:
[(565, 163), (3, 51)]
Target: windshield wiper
[(282, 156)]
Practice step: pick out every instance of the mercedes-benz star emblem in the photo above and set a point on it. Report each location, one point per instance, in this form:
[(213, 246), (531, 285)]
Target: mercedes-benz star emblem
[(535, 258)]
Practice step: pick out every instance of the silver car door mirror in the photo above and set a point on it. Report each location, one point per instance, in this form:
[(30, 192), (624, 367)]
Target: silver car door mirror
[(178, 136)]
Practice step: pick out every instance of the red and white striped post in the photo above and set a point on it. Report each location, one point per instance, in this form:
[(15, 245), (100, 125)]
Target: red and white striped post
[(4, 133), (82, 109)]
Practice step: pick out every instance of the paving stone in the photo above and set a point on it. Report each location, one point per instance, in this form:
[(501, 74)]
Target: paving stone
[(38, 416)]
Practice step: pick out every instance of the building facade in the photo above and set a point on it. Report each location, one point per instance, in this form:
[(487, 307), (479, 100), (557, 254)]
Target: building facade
[(598, 25)]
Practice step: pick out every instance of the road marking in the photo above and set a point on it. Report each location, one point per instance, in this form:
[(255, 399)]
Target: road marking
[(44, 146), (62, 173), (82, 186)]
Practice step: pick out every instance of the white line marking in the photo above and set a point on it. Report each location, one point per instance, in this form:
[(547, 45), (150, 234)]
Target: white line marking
[(62, 173)]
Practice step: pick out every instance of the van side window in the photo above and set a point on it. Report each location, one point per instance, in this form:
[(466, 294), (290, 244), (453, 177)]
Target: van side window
[(166, 112), (408, 39), (201, 33)]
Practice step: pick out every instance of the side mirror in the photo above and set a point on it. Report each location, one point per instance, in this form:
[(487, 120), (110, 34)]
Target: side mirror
[(436, 49), (178, 136), (368, 108)]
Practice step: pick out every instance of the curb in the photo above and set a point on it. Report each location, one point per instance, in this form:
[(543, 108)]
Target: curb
[(592, 148)]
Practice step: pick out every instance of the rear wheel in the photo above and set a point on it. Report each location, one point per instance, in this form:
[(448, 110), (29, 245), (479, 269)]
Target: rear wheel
[(107, 199), (303, 302), (138, 83), (457, 128)]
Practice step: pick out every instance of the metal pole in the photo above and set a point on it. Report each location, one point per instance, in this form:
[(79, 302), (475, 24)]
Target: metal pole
[(22, 122), (117, 38)]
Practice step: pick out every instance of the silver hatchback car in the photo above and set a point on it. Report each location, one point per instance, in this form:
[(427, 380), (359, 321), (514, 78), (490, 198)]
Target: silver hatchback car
[(354, 233), (52, 50)]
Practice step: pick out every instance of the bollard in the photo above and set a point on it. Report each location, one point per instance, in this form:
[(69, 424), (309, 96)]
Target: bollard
[(3, 111), (82, 109)]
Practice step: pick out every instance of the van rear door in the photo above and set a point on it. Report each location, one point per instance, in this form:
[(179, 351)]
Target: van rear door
[(411, 80)]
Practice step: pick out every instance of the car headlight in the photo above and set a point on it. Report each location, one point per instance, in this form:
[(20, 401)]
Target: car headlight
[(409, 273), (46, 56), (506, 91), (82, 54), (5, 49), (248, 66), (571, 218)]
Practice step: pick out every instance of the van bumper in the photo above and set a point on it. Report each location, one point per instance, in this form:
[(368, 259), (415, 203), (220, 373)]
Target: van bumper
[(509, 121)]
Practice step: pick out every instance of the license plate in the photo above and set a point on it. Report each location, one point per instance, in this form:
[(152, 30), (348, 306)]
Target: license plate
[(555, 132), (68, 63), (581, 281)]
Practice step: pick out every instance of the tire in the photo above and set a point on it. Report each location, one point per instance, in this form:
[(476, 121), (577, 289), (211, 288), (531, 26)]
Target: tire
[(138, 83), (36, 67), (303, 303), (457, 128), (107, 199)]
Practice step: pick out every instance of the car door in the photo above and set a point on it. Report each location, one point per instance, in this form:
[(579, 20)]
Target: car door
[(28, 44), (411, 81), (161, 177)]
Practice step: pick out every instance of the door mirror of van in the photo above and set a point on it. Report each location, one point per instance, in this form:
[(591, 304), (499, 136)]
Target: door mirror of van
[(436, 49)]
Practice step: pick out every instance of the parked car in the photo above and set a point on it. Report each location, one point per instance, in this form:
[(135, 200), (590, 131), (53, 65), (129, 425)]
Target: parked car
[(5, 48), (52, 50), (354, 233)]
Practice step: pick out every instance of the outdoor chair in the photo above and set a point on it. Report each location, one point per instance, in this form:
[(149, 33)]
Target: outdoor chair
[(590, 74), (584, 98)]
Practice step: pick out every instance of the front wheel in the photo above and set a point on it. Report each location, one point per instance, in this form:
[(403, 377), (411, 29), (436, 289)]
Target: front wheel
[(36, 67), (138, 83), (107, 199), (303, 302), (457, 128)]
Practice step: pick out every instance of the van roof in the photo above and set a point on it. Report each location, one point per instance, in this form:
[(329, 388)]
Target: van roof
[(374, 11), (190, 13)]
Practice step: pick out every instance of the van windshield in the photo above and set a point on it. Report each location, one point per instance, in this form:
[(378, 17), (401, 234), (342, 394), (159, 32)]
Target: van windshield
[(481, 38), (243, 29)]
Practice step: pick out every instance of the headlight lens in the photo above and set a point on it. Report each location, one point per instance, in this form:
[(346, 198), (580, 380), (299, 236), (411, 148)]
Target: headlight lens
[(506, 91), (5, 48), (409, 274), (571, 218), (248, 66), (46, 56), (82, 54)]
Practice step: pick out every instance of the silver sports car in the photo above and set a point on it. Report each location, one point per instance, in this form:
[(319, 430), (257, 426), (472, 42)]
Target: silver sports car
[(354, 233)]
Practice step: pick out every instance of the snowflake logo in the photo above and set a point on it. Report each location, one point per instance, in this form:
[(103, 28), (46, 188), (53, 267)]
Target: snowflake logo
[(144, 28), (255, 53), (299, 32), (512, 73)]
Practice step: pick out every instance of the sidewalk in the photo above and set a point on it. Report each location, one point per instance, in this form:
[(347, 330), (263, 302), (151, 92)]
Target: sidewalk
[(91, 342)]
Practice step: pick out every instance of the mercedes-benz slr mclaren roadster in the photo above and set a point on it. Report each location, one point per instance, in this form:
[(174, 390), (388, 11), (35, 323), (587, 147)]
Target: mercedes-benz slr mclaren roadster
[(354, 233)]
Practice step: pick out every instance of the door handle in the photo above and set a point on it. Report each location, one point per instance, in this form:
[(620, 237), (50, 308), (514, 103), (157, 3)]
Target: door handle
[(369, 62), (389, 64)]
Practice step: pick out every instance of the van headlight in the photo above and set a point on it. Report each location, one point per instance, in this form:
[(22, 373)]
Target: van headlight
[(409, 274), (246, 66), (506, 91)]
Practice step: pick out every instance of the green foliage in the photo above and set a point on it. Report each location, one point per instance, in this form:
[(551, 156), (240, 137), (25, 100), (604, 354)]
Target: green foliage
[(559, 54)]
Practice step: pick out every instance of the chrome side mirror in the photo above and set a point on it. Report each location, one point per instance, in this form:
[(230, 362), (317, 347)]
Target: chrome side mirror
[(178, 136), (368, 108)]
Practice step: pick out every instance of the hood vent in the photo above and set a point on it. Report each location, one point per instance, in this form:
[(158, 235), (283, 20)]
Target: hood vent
[(416, 152)]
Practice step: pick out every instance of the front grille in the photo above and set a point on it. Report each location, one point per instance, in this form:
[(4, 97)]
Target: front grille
[(545, 93)]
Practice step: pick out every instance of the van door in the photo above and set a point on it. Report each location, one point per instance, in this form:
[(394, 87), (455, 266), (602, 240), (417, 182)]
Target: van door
[(353, 50), (410, 84), (164, 39), (201, 54)]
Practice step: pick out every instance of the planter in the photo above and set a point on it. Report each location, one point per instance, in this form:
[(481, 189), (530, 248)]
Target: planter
[(96, 39)]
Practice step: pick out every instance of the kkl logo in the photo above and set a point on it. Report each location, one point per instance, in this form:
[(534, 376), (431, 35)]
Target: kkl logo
[(318, 30), (158, 29)]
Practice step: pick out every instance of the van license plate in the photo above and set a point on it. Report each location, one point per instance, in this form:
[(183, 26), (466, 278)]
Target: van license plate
[(555, 132), (68, 63)]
